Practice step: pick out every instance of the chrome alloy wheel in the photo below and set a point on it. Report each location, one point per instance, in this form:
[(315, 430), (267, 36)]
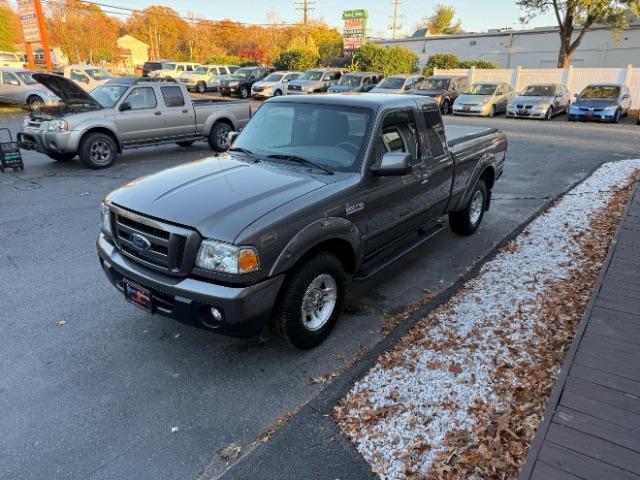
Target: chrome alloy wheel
[(319, 302), (100, 152), (475, 211)]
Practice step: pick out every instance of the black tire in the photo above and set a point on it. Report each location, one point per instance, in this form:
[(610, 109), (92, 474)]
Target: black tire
[(638, 120), (61, 157), (185, 144), (98, 150), (277, 93), (218, 138), (35, 103), (549, 115), (201, 87), (289, 322), (616, 117), (466, 221), (244, 92), (446, 106), (492, 112)]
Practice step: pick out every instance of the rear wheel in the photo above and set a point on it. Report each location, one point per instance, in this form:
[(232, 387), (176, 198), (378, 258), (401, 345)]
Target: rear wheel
[(446, 106), (467, 221), (201, 87), (243, 92), (98, 150), (61, 157), (219, 137), (35, 103), (311, 301)]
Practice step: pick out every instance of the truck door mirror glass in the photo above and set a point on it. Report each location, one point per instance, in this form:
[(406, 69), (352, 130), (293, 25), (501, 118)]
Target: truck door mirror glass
[(393, 164), (124, 106)]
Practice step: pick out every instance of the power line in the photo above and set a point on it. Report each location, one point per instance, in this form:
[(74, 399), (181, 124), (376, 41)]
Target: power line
[(305, 6), (395, 26)]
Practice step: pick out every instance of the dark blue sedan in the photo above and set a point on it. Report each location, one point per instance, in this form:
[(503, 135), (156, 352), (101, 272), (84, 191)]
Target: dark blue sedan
[(602, 103)]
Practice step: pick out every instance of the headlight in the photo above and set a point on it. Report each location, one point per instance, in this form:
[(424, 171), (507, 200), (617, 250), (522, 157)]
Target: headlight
[(486, 100), (58, 125), (225, 258), (105, 219), (542, 106), (234, 84), (611, 109), (25, 122)]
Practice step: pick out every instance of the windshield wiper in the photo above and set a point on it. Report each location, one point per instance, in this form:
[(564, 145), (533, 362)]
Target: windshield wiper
[(304, 161), (245, 151)]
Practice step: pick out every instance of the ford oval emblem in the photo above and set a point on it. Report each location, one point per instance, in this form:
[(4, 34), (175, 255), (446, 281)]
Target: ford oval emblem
[(140, 242)]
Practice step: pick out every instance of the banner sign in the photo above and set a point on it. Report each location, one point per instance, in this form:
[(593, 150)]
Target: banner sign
[(29, 21), (354, 30)]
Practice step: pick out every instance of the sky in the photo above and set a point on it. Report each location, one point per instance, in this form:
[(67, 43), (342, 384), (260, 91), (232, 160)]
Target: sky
[(476, 15)]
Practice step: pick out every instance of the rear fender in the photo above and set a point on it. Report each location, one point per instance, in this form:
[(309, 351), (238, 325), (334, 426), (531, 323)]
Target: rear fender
[(487, 161), (320, 231)]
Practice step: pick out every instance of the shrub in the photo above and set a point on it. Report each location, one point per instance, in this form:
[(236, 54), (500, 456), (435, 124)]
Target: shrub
[(482, 64), (446, 61), (374, 58), (298, 59)]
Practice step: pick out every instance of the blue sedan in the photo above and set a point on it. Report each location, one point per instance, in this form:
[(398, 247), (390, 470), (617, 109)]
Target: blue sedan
[(601, 102)]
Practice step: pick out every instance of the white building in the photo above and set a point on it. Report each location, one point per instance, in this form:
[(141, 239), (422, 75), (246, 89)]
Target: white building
[(537, 48)]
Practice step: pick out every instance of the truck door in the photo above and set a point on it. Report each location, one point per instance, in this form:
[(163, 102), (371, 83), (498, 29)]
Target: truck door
[(141, 121), (393, 206), (179, 117), (437, 176)]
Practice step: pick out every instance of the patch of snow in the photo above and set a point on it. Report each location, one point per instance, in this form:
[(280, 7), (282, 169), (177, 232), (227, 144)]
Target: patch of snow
[(427, 393)]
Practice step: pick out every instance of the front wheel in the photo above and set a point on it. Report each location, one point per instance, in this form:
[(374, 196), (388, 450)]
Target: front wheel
[(616, 117), (243, 92), (311, 301), (277, 93), (446, 106), (219, 137), (98, 150), (35, 103), (492, 111), (467, 220), (201, 87), (549, 114)]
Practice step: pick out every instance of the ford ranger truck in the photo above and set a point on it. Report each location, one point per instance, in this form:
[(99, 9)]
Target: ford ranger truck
[(315, 189), (126, 112)]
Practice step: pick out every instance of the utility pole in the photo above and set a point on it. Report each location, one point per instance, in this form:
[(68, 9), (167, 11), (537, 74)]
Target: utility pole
[(395, 26), (305, 6)]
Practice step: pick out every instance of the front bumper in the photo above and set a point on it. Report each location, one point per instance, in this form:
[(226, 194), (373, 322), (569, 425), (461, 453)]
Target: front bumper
[(592, 116), (471, 111), (45, 141), (526, 113), (226, 90), (245, 310), (298, 92)]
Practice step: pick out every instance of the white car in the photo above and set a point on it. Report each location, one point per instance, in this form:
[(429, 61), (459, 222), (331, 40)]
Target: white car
[(87, 77), (274, 85), (206, 77), (10, 60), (173, 69)]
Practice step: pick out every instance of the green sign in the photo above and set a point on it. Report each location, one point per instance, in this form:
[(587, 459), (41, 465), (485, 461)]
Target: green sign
[(347, 14)]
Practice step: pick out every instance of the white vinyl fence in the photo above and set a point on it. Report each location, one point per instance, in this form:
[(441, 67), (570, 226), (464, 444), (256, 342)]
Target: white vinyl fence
[(574, 78)]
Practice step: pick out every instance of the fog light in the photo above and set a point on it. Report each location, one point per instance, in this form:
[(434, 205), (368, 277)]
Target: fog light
[(216, 314)]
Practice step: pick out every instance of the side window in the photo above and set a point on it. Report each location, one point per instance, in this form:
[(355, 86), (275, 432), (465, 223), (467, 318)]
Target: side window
[(180, 68), (366, 81), (434, 133), (189, 68), (398, 134), (9, 79), (142, 98), (78, 76), (172, 96)]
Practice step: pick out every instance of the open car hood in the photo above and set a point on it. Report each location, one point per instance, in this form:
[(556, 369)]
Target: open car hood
[(70, 93)]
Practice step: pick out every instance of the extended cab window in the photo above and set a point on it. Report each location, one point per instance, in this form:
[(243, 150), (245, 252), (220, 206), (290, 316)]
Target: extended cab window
[(399, 134), (142, 98), (172, 96), (435, 136)]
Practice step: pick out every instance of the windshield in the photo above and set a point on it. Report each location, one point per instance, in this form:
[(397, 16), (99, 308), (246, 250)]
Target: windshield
[(539, 91), (242, 73), (108, 95), (274, 77), (393, 83), (310, 75), (351, 80), (434, 84), (601, 91), (98, 73), (26, 77), (328, 135), (482, 89)]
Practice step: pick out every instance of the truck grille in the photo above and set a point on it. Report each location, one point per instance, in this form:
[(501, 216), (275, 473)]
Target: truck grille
[(158, 245)]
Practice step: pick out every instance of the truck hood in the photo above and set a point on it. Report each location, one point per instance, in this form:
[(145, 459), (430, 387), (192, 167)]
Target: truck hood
[(218, 196), (68, 91)]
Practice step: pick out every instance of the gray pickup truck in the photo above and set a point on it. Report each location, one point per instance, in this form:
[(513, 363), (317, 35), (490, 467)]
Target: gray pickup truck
[(314, 190), (126, 112)]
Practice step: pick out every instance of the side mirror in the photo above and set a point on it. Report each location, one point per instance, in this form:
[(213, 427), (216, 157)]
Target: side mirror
[(575, 95), (232, 137), (124, 106), (393, 164), (626, 96)]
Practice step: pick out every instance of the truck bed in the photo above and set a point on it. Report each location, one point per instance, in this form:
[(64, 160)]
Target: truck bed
[(462, 139)]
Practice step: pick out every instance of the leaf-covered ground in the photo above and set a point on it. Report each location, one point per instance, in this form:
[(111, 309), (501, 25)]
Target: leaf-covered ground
[(462, 394)]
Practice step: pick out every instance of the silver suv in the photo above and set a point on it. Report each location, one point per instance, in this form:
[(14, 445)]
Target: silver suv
[(317, 80), (17, 87)]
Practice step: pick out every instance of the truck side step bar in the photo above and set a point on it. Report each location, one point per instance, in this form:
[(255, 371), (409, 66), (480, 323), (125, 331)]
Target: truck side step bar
[(374, 267)]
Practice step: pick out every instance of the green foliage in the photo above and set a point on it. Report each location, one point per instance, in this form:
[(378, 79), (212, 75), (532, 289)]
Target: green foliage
[(230, 60), (445, 61), (298, 60), (388, 61), (479, 64)]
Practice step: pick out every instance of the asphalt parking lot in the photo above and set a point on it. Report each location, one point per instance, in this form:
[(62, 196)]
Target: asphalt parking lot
[(93, 388)]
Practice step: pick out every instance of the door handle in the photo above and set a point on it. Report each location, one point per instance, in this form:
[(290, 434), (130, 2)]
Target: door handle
[(157, 113), (185, 111), (425, 177)]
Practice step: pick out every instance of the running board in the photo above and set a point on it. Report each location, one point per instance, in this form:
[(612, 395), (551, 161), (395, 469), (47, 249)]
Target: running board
[(377, 266)]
